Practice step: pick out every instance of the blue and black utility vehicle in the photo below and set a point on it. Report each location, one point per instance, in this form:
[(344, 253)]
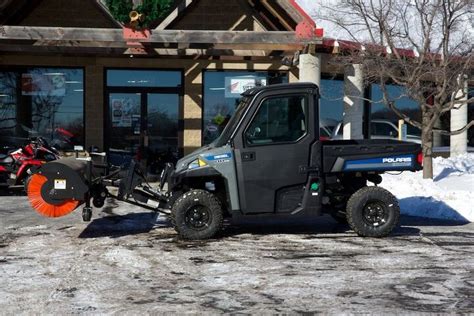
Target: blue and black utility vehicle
[(269, 159)]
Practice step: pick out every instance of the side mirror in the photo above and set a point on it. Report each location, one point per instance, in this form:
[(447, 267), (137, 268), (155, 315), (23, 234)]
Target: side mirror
[(256, 131), (252, 134)]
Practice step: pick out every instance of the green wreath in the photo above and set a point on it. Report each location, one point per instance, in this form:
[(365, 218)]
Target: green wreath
[(153, 10)]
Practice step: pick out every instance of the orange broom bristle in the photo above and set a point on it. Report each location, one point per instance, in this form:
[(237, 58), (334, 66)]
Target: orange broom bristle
[(35, 184)]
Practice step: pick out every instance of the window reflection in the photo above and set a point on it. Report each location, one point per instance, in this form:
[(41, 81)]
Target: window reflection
[(383, 120), (222, 93), (8, 106), (331, 106), (47, 102)]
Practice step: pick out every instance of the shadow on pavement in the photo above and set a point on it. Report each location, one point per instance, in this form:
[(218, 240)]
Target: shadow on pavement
[(124, 225), (428, 207), (423, 221), (295, 226), (137, 223)]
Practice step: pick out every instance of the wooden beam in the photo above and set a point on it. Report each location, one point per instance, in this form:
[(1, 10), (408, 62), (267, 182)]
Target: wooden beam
[(275, 13), (291, 11), (37, 33), (268, 47), (30, 49), (211, 52), (120, 50), (182, 6), (80, 44)]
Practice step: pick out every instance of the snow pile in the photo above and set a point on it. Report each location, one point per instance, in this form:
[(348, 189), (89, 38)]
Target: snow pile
[(450, 195)]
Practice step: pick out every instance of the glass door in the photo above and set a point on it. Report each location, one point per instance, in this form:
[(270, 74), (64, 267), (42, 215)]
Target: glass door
[(143, 126), (161, 139), (144, 107), (125, 137)]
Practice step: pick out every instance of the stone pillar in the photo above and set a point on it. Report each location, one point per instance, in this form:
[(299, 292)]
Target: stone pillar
[(310, 68), (353, 102), (190, 136), (94, 106), (458, 121)]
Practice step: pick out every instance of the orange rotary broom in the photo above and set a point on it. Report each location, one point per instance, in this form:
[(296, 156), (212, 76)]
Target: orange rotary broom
[(58, 187)]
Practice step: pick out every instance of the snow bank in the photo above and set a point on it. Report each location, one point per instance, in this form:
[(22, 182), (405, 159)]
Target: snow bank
[(450, 195)]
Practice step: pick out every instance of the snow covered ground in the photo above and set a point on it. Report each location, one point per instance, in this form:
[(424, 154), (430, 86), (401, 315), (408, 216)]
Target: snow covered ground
[(450, 195), (129, 262)]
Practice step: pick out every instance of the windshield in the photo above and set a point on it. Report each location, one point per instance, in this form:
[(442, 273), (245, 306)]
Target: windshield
[(232, 124)]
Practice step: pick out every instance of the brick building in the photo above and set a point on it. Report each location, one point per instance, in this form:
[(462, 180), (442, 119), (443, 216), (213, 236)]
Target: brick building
[(168, 96)]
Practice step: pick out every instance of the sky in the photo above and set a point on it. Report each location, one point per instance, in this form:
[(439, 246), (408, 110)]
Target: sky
[(314, 8), (311, 6)]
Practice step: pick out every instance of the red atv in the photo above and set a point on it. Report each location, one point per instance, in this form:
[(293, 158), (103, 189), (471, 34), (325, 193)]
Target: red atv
[(17, 166)]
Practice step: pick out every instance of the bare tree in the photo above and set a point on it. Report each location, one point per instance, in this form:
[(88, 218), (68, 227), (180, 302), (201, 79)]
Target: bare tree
[(422, 45)]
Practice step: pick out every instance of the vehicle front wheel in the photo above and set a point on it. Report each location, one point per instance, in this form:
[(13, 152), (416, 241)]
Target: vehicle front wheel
[(373, 212), (197, 214)]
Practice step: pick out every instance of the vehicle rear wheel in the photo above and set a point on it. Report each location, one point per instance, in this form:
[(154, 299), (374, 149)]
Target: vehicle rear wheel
[(373, 212), (197, 214)]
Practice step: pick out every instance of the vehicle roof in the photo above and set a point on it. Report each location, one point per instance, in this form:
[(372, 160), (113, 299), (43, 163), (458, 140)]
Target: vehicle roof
[(281, 87)]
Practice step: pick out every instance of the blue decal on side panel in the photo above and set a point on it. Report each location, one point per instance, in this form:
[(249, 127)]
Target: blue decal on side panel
[(225, 156), (382, 163)]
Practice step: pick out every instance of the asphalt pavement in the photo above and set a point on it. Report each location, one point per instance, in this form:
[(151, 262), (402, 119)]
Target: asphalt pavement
[(129, 261)]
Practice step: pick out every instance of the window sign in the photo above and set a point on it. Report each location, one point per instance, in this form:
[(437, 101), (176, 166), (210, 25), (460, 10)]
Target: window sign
[(123, 112), (235, 86), (43, 84)]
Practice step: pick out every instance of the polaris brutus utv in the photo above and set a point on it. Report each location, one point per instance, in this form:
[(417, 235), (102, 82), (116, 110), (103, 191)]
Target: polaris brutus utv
[(268, 160)]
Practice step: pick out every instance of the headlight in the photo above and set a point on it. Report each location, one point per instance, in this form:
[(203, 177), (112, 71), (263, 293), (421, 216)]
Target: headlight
[(197, 164)]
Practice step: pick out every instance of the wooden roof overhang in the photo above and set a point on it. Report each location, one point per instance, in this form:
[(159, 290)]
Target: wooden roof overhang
[(33, 39)]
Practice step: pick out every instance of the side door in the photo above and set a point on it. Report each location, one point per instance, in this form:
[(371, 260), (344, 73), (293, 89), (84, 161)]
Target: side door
[(271, 147)]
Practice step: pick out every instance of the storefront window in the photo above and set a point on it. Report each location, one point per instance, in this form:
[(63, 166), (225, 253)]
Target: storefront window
[(47, 102), (222, 92), (331, 106), (384, 122)]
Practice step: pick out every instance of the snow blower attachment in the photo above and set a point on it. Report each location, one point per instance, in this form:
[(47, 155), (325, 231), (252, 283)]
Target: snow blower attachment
[(58, 188)]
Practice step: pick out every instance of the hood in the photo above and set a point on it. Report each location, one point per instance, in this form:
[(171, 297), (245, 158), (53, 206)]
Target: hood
[(184, 162)]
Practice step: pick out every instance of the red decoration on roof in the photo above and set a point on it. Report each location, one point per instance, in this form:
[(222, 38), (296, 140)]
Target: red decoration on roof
[(306, 28)]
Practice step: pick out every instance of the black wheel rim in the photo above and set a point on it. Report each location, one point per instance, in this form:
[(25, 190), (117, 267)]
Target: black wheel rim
[(198, 217), (375, 213)]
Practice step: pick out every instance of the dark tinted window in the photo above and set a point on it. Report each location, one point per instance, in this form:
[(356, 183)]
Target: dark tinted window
[(279, 120)]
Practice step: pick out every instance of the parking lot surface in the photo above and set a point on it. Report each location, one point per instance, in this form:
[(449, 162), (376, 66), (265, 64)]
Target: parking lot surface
[(128, 260)]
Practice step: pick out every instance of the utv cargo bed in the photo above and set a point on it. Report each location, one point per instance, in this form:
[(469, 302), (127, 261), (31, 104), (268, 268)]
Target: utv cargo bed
[(368, 155)]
